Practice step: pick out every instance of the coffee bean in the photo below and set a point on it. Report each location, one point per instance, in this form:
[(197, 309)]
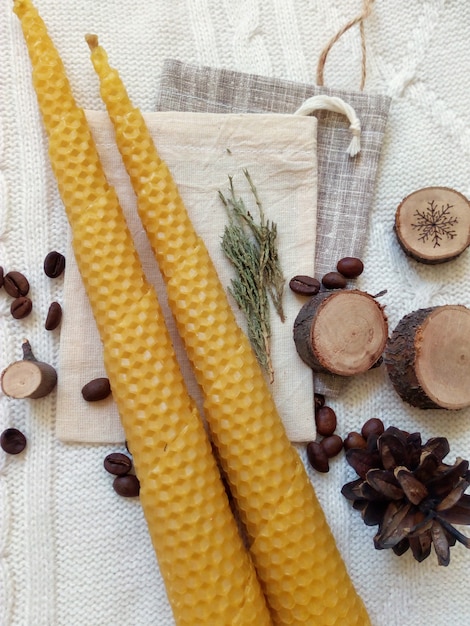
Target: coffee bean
[(54, 316), (54, 264), (317, 457), (96, 389), (2, 276), (325, 420), (304, 285), (373, 426), (127, 486), (354, 440), (332, 445), (350, 266), (319, 400), (16, 284), (12, 441), (334, 280), (117, 464), (21, 307)]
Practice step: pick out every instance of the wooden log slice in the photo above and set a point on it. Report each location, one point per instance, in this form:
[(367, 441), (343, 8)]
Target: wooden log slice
[(433, 224), (342, 332), (428, 357), (28, 378)]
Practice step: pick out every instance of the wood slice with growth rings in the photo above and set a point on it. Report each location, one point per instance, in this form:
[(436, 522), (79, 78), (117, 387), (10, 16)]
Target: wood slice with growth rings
[(28, 378), (433, 224), (341, 332), (428, 357)]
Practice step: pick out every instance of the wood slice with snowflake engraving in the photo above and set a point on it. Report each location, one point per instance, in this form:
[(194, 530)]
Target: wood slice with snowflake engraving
[(433, 224)]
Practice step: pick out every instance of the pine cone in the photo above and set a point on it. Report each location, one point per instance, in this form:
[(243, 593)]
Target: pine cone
[(407, 489)]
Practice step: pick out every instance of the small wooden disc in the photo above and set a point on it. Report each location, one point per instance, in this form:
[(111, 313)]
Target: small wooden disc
[(28, 378), (21, 379), (433, 224)]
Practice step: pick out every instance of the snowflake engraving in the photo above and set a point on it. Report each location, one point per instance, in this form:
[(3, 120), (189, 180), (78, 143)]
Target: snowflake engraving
[(434, 223)]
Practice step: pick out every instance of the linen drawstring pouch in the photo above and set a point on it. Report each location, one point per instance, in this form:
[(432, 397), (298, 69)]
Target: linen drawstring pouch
[(202, 151), (345, 185)]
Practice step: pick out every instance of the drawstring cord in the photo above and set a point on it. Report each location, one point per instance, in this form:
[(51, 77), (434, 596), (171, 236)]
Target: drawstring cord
[(337, 105)]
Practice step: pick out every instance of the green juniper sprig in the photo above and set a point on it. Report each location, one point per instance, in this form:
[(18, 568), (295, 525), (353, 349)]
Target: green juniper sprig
[(252, 250)]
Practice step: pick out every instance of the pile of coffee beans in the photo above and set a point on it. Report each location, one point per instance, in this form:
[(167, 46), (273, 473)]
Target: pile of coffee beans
[(319, 452), (328, 443), (12, 441), (347, 268), (16, 285), (125, 483)]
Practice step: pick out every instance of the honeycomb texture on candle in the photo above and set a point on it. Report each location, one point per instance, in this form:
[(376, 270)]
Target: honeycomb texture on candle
[(302, 573), (182, 495), (206, 571), (50, 83), (208, 574)]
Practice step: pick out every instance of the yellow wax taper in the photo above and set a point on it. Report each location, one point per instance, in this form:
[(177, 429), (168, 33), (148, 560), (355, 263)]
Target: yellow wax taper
[(208, 574), (302, 573)]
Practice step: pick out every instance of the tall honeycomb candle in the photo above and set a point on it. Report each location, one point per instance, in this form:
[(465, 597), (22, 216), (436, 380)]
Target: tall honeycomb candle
[(297, 561), (208, 574)]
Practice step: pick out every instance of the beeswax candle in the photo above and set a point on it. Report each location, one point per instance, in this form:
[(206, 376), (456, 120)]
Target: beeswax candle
[(208, 574), (302, 573)]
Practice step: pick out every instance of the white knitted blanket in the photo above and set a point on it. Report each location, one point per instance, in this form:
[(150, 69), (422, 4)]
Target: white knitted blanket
[(71, 551)]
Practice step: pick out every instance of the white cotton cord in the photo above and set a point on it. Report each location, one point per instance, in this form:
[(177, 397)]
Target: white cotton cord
[(337, 105)]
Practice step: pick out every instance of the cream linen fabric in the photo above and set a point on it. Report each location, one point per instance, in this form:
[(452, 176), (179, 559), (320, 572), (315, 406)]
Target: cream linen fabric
[(201, 150), (71, 551)]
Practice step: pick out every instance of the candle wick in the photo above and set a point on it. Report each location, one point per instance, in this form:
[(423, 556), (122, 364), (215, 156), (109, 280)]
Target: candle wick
[(92, 41)]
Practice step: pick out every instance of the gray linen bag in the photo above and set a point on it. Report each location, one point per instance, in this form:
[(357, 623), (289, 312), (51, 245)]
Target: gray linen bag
[(345, 184)]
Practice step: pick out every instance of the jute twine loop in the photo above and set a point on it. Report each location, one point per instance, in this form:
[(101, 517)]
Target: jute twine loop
[(366, 11)]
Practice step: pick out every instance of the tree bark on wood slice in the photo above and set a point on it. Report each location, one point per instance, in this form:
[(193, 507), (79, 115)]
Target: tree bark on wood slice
[(433, 224), (428, 357), (342, 332), (28, 378)]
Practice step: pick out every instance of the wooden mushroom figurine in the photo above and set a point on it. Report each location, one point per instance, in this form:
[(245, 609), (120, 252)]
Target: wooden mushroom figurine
[(433, 224), (341, 332), (28, 378), (428, 357)]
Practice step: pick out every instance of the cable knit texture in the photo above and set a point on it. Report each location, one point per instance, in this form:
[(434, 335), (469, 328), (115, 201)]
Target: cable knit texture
[(71, 551)]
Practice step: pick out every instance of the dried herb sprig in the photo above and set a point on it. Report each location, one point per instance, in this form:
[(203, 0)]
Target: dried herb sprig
[(252, 249)]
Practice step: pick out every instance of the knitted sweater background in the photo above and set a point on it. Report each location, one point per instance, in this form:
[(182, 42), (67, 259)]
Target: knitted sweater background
[(71, 551)]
